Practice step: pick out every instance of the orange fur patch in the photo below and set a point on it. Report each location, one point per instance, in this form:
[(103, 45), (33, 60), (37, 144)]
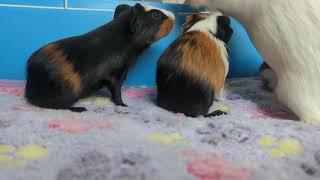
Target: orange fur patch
[(165, 28), (202, 59), (66, 69)]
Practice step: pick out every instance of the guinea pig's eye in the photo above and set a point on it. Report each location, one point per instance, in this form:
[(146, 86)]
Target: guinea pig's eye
[(156, 15)]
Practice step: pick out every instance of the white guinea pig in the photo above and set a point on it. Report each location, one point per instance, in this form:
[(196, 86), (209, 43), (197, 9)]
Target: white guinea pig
[(286, 33)]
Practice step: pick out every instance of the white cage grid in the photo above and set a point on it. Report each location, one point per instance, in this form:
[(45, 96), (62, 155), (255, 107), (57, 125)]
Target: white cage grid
[(66, 7)]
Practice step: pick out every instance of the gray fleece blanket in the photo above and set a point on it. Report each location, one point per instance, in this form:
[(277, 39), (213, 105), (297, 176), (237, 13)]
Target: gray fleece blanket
[(258, 139)]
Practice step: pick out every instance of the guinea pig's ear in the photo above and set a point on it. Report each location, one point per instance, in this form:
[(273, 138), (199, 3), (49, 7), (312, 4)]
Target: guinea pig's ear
[(196, 17), (135, 25), (223, 21), (138, 8), (225, 32), (189, 18), (189, 22), (119, 9), (192, 19)]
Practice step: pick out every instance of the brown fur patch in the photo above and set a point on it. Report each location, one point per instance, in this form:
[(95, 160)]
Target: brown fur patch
[(202, 59), (66, 69), (192, 19), (165, 28)]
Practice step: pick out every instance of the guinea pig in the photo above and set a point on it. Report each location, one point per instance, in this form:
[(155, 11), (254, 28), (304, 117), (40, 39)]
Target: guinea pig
[(62, 72), (191, 72)]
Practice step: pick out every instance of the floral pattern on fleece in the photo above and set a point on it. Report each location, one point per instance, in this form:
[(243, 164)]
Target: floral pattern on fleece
[(143, 141)]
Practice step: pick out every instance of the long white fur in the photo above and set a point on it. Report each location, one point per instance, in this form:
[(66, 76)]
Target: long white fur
[(211, 24), (286, 33), (166, 12)]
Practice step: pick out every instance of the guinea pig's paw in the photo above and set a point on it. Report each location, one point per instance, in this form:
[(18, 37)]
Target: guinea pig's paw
[(216, 113), (77, 109), (122, 109), (219, 98), (122, 105), (119, 103), (219, 95)]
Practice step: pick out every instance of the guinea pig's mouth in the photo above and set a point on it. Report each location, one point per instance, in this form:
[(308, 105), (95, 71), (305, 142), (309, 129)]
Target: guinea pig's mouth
[(165, 28)]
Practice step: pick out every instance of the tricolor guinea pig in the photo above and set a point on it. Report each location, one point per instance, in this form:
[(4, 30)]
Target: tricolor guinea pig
[(191, 72), (62, 72)]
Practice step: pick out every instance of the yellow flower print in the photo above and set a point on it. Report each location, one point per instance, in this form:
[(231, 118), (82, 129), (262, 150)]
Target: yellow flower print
[(278, 149), (171, 139), (221, 107), (31, 152), (19, 158), (266, 141), (96, 101)]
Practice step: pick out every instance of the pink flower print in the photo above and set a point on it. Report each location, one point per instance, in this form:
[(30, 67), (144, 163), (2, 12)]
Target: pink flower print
[(150, 91), (138, 93), (14, 91), (256, 113), (196, 154), (280, 115), (134, 93), (7, 83), (104, 125), (78, 125), (179, 114), (24, 107), (264, 113), (213, 167)]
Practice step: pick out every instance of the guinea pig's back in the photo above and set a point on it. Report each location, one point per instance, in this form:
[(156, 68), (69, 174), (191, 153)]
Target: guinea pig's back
[(189, 73), (51, 79)]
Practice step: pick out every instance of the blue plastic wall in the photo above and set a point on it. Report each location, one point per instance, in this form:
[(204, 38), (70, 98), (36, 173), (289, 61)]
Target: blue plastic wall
[(24, 30)]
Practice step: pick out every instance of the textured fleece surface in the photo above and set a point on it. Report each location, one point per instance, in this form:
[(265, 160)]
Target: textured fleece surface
[(258, 139)]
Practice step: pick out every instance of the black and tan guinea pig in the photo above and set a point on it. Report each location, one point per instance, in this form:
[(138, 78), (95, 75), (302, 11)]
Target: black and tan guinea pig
[(191, 72), (62, 72)]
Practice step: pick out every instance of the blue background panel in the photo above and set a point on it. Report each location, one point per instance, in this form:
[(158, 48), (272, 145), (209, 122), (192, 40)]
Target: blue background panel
[(24, 30)]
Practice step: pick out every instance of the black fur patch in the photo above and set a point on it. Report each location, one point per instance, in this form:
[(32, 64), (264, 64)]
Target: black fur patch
[(224, 31)]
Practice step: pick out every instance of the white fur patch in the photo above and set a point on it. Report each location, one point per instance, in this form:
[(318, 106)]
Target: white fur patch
[(211, 24), (166, 12), (208, 24)]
